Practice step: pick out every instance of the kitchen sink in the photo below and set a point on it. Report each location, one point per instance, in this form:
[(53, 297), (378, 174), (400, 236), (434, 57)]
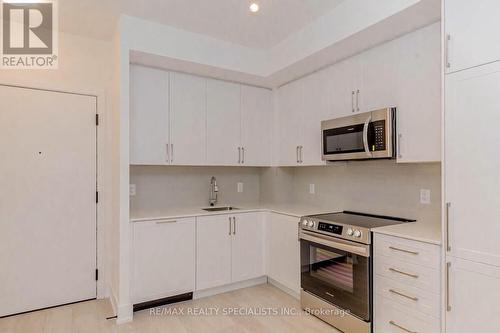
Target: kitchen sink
[(218, 209)]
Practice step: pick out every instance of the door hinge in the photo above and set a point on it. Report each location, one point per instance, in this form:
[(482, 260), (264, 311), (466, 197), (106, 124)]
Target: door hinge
[(97, 119), (96, 196), (96, 274)]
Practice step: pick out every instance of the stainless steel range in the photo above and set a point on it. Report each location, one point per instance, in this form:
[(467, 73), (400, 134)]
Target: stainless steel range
[(336, 267)]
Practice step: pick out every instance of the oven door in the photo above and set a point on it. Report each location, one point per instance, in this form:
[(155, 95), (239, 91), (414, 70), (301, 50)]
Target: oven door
[(337, 271)]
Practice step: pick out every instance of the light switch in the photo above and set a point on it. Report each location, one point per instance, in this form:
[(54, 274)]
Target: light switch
[(312, 189), (132, 190), (425, 196), (240, 187)]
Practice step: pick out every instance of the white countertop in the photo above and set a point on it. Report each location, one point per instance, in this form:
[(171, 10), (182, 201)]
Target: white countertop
[(422, 231)]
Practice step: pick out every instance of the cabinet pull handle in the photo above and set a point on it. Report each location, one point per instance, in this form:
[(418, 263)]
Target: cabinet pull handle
[(167, 150), (447, 226), (300, 154), (400, 138), (403, 295), (172, 152), (403, 273), (165, 221), (447, 51), (448, 306), (239, 155), (297, 153), (234, 225), (242, 155), (357, 100), (229, 225), (352, 101), (393, 323), (401, 250)]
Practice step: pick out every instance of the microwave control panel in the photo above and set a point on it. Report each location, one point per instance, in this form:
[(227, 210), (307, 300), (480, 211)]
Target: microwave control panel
[(379, 142)]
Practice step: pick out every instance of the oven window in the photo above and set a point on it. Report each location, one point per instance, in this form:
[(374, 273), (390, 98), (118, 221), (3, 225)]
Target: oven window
[(338, 277)]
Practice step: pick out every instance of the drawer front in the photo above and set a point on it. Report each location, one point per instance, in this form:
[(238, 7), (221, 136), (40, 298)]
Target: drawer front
[(390, 318), (407, 274), (407, 250), (408, 296)]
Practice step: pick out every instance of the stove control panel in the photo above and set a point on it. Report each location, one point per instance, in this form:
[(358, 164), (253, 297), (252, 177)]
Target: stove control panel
[(346, 232)]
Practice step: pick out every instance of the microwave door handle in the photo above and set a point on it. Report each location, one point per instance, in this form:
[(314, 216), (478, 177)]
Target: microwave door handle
[(365, 136)]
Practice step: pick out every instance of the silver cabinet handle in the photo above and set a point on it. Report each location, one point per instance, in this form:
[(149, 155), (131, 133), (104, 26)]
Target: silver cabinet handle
[(172, 152), (447, 51), (167, 150), (401, 250), (357, 100), (165, 221), (447, 226), (403, 295), (400, 138), (229, 225), (300, 154), (393, 323), (352, 101), (234, 225), (447, 287), (297, 153), (403, 273), (239, 155), (242, 155)]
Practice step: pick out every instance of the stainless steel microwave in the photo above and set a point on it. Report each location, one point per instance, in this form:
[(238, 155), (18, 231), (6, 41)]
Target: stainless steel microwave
[(367, 135)]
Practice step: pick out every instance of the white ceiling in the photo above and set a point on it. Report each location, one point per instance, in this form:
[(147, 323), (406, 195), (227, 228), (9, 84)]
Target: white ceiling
[(228, 20)]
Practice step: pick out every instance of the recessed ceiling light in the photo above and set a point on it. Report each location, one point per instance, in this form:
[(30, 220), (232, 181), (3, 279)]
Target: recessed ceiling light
[(254, 7)]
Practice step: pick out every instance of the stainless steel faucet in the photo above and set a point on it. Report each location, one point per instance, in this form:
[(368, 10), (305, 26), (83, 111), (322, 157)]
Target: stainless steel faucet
[(214, 189)]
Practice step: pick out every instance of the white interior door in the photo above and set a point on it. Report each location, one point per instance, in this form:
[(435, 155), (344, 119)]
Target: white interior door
[(47, 199)]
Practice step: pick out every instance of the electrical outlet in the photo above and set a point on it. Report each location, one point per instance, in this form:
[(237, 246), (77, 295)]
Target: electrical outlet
[(312, 189), (240, 187), (132, 190), (425, 196)]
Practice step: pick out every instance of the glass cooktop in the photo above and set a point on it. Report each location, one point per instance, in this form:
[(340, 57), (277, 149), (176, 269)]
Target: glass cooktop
[(361, 220)]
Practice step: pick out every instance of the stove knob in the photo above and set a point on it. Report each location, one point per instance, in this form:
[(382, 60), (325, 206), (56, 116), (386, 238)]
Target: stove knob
[(357, 233), (350, 232), (304, 223), (311, 224)]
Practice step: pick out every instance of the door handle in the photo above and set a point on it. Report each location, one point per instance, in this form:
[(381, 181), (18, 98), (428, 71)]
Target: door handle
[(229, 225), (365, 136), (352, 101), (234, 225), (447, 226)]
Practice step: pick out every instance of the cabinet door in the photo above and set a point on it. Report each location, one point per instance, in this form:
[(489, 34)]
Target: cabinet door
[(213, 251), (473, 29), (473, 297), (472, 185), (163, 259), (149, 102), (223, 123), (344, 82), (289, 103), (247, 247), (315, 108), (419, 95), (283, 250), (188, 119), (256, 125)]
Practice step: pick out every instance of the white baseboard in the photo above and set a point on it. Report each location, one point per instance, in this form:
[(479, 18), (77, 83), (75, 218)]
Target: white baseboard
[(229, 287), (284, 288)]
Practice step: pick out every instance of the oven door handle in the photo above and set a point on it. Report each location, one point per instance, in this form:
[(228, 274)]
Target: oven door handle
[(365, 136), (362, 250)]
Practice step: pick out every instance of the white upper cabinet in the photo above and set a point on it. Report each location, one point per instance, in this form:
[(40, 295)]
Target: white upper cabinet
[(187, 119), (223, 123), (417, 95), (149, 123), (289, 103), (471, 33), (472, 163), (256, 126), (345, 82)]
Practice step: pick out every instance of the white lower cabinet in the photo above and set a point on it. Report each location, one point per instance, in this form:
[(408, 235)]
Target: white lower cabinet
[(229, 249), (406, 286), (473, 294), (163, 258), (283, 250)]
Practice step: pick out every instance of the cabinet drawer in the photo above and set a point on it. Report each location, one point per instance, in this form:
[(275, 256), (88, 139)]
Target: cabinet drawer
[(390, 318), (406, 273), (407, 250), (412, 298)]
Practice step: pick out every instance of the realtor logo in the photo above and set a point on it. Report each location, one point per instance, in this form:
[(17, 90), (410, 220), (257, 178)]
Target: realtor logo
[(29, 34)]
